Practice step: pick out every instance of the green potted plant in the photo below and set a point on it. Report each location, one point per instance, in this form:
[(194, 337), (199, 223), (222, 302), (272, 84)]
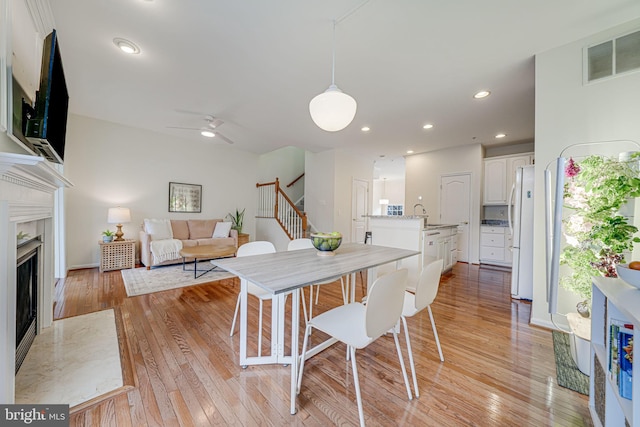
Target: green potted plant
[(107, 236), (237, 219), (597, 235)]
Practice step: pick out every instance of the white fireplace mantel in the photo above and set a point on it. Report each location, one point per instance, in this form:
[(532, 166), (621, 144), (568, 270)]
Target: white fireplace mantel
[(28, 185)]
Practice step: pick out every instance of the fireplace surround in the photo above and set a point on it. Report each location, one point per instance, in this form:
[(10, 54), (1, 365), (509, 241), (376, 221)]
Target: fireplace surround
[(28, 185)]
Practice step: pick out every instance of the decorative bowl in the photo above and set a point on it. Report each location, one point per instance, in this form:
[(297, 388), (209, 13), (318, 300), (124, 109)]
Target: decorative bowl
[(326, 243), (629, 275)]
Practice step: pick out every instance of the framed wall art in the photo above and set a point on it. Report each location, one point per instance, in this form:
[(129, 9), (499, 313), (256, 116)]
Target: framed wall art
[(185, 197)]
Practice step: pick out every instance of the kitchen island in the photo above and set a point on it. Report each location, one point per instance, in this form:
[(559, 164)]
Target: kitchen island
[(413, 232)]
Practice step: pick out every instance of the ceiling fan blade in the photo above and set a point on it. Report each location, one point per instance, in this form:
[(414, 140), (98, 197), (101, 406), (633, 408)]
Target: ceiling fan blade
[(181, 127), (224, 138), (214, 122)]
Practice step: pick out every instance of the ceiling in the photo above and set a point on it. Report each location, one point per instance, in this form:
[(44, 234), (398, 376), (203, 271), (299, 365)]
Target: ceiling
[(256, 64)]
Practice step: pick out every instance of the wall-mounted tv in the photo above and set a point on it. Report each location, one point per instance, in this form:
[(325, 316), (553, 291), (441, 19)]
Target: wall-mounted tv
[(46, 121)]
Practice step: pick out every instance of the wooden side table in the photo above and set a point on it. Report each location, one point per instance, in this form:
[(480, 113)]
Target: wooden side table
[(117, 255), (242, 239)]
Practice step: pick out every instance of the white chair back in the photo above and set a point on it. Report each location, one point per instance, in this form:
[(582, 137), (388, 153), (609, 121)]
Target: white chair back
[(256, 248), (384, 303), (428, 284), (296, 244)]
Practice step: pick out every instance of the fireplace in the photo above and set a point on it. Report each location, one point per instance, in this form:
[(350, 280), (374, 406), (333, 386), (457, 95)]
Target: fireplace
[(28, 190), (27, 274)]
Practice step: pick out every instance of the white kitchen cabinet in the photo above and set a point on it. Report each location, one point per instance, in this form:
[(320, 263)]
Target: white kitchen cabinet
[(495, 181), (499, 175), (441, 243), (495, 245), (612, 299)]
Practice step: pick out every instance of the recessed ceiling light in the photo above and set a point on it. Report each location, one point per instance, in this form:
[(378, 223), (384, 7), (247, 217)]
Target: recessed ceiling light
[(409, 151), (501, 135), (427, 126), (126, 46), (482, 94), (365, 129), (208, 133)]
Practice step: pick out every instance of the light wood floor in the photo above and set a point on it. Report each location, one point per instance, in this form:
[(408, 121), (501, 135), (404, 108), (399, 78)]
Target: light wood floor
[(498, 370)]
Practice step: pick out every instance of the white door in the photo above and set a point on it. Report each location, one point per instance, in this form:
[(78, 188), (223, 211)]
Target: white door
[(359, 203), (455, 208)]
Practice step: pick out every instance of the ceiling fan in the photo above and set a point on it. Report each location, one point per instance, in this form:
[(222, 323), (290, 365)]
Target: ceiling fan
[(209, 130)]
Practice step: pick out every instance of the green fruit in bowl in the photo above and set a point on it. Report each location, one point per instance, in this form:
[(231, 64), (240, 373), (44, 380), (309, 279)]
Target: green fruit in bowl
[(326, 242)]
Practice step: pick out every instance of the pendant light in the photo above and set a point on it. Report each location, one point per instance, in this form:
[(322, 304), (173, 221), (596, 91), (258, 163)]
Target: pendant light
[(333, 109), (384, 200)]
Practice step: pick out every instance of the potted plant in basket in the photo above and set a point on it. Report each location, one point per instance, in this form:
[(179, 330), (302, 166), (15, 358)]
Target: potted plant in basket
[(107, 236), (597, 234), (237, 219)]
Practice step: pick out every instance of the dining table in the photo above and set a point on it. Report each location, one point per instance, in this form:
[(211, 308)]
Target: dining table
[(285, 273)]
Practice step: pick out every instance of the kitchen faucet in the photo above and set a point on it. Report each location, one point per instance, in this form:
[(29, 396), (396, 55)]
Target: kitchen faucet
[(424, 211)]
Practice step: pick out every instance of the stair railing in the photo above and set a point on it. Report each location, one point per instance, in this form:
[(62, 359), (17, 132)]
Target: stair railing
[(274, 203)]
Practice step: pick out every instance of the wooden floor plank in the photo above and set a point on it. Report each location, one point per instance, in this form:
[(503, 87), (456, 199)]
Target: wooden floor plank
[(498, 370)]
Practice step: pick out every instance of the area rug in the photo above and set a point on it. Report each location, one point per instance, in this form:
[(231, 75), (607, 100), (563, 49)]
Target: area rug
[(76, 360), (141, 281), (567, 372)]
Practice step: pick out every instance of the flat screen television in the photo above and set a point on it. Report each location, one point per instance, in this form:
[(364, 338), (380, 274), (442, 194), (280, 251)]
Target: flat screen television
[(46, 123)]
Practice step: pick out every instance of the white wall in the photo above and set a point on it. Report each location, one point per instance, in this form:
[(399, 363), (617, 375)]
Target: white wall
[(349, 165), (329, 176), (391, 189), (423, 172), (286, 164), (568, 112), (113, 165)]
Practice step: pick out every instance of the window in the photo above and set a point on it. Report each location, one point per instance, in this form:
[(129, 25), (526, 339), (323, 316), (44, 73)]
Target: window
[(396, 210), (613, 57)]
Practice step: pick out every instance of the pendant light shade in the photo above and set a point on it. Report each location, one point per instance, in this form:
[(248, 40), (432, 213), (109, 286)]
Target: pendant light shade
[(333, 109)]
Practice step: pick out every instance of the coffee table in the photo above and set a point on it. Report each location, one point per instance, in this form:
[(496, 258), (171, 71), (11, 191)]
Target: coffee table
[(205, 252)]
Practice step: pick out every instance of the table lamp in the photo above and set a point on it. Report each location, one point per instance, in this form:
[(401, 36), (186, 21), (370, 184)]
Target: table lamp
[(118, 216)]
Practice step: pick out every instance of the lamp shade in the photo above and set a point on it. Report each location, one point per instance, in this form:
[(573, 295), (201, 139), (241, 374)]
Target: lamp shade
[(118, 215), (333, 109)]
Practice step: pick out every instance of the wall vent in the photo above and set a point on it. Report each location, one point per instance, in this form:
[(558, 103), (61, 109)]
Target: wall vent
[(612, 57)]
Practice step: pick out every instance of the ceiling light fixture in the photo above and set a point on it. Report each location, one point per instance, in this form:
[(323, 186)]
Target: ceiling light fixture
[(427, 126), (333, 109), (482, 94), (409, 151), (365, 129), (207, 132), (501, 135), (126, 46)]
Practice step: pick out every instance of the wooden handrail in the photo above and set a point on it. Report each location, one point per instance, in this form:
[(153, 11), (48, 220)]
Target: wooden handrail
[(295, 180), (290, 207)]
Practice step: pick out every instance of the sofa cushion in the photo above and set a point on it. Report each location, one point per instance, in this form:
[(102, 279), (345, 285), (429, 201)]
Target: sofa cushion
[(222, 229), (180, 229), (158, 229), (189, 243), (215, 241), (201, 228)]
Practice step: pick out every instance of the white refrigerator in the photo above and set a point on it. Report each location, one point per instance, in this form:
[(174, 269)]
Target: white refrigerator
[(521, 226)]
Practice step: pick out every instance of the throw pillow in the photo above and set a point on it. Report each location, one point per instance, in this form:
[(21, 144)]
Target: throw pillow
[(222, 229), (158, 229)]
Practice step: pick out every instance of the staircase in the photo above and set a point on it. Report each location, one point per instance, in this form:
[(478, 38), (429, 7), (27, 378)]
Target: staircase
[(274, 203)]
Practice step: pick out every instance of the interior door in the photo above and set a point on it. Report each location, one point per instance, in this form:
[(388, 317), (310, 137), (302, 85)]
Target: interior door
[(455, 208), (359, 203)]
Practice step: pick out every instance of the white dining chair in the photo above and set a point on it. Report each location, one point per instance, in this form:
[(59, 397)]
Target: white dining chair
[(425, 293), (358, 325), (304, 243), (254, 248)]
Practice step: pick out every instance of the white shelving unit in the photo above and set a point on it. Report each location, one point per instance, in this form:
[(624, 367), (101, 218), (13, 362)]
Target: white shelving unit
[(612, 299)]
